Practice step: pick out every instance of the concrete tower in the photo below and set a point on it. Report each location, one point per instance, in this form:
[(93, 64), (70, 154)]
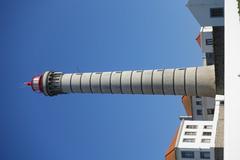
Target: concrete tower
[(192, 81)]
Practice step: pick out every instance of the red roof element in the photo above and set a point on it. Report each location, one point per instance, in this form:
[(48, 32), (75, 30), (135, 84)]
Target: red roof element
[(198, 39), (187, 103), (28, 83), (35, 83), (171, 152)]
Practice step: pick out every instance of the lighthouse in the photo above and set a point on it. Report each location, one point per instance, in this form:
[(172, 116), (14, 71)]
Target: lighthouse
[(191, 81)]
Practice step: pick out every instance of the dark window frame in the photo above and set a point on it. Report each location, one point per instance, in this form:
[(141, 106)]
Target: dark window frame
[(191, 126), (205, 155), (210, 111), (209, 41), (187, 154), (210, 58), (216, 12), (209, 55), (199, 112), (199, 103), (207, 127), (205, 140), (207, 134), (190, 133), (189, 140)]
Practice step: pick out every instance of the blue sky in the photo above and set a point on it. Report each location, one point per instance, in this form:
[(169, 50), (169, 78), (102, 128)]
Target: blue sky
[(90, 35)]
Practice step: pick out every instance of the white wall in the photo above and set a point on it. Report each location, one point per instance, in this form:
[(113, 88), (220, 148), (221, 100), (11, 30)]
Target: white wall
[(232, 87), (201, 11), (199, 134), (197, 146), (206, 33)]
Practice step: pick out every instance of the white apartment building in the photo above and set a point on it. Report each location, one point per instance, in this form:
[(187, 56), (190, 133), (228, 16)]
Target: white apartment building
[(198, 139), (207, 12)]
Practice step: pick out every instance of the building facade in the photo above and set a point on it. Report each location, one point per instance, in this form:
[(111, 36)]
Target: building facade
[(199, 139), (207, 13)]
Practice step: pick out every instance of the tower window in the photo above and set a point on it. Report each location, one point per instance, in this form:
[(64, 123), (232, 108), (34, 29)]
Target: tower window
[(180, 68), (205, 155), (216, 12), (187, 154)]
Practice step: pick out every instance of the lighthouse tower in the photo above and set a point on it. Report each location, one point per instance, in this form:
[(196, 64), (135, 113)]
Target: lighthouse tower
[(192, 81)]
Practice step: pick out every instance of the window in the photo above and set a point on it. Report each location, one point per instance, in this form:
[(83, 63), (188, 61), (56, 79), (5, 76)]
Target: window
[(205, 155), (207, 127), (216, 12), (118, 72), (187, 154), (189, 140), (181, 68), (191, 126), (221, 102), (198, 97), (206, 140), (209, 55), (210, 111), (198, 102), (210, 58), (209, 41), (199, 112), (207, 133), (191, 133)]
